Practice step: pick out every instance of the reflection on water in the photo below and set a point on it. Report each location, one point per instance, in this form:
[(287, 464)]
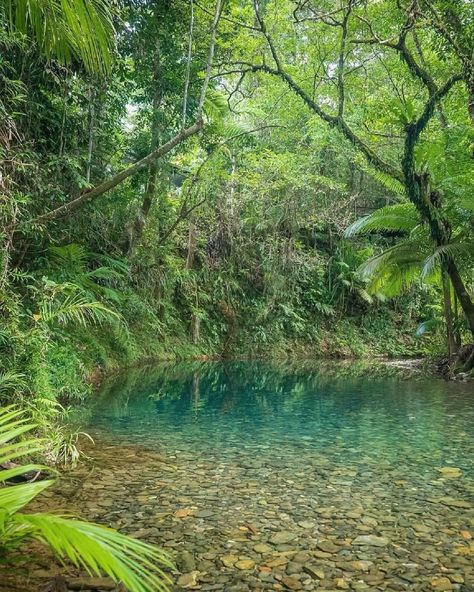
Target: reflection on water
[(260, 476), (223, 406)]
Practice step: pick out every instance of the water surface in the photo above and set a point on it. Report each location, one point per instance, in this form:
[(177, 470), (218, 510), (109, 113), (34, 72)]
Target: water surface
[(278, 476)]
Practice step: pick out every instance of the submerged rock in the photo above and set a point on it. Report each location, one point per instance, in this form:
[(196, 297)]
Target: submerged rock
[(283, 537), (370, 540), (188, 580)]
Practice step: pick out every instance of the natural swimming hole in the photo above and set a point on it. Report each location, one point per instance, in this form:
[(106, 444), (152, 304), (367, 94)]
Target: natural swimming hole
[(286, 476)]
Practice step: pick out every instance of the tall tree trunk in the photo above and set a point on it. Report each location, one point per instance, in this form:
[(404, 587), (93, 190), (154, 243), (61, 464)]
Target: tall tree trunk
[(462, 294), (427, 202), (448, 313), (91, 124), (191, 244), (135, 233), (195, 319)]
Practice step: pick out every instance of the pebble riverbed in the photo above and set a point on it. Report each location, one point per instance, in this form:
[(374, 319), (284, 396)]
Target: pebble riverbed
[(246, 512)]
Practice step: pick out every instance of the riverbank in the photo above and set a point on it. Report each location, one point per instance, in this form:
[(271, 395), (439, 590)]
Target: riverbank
[(261, 477)]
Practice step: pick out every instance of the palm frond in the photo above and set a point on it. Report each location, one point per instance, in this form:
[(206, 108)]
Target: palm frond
[(95, 548), (77, 309), (72, 256), (64, 29), (450, 251), (387, 181), (215, 105), (10, 382), (430, 325), (98, 549), (16, 497), (401, 217), (393, 270)]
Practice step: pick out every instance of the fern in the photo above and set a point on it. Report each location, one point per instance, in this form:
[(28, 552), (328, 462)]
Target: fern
[(401, 217), (215, 105), (450, 251), (67, 304), (11, 382), (392, 184)]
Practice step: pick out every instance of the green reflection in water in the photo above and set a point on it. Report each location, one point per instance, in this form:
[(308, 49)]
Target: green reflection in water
[(347, 412)]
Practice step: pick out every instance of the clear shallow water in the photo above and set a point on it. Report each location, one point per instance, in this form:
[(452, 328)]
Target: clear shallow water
[(259, 476), (233, 406)]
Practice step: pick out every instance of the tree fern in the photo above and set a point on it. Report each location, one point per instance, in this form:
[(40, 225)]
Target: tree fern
[(392, 184), (400, 217), (75, 308), (452, 250)]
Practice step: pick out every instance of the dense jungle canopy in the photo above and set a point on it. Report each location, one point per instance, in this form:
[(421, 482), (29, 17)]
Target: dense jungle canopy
[(227, 178)]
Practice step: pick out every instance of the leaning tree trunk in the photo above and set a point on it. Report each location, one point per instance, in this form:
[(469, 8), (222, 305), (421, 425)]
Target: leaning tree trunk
[(462, 294)]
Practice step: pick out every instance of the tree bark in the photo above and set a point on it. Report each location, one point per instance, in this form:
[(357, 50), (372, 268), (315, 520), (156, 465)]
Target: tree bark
[(191, 245), (448, 313), (461, 292), (90, 194), (138, 226)]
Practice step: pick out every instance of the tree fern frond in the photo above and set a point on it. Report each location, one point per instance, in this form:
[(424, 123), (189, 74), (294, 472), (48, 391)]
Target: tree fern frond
[(387, 181), (400, 217), (451, 251), (215, 105)]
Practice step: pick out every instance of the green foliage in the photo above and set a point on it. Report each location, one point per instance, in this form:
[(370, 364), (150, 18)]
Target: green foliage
[(91, 547), (237, 241), (79, 28)]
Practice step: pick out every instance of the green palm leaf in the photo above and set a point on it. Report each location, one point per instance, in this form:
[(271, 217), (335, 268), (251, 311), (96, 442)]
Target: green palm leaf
[(94, 548), (451, 251), (76, 308), (66, 28), (99, 549)]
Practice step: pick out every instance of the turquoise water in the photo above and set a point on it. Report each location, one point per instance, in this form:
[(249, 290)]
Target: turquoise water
[(260, 476), (218, 407)]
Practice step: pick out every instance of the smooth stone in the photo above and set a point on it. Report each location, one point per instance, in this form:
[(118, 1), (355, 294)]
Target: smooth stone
[(283, 537), (262, 548), (450, 472), (291, 583), (185, 562), (188, 580), (328, 547), (245, 564), (441, 584), (361, 565), (370, 540), (204, 514), (307, 524), (302, 557), (229, 560), (314, 571)]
